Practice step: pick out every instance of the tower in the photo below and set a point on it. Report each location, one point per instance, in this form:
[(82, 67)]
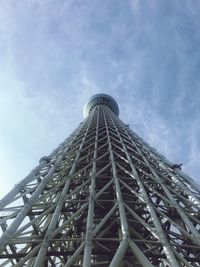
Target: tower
[(104, 197)]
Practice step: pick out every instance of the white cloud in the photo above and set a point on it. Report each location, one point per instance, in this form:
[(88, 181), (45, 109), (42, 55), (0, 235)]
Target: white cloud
[(54, 56)]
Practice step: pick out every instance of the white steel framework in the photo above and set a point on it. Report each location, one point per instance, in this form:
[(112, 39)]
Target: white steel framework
[(104, 197)]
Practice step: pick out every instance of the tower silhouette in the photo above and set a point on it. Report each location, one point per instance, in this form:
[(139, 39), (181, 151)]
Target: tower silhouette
[(104, 197)]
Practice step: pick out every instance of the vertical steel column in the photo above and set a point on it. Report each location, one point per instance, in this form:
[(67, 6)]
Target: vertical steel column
[(42, 252), (89, 228), (124, 225), (158, 227)]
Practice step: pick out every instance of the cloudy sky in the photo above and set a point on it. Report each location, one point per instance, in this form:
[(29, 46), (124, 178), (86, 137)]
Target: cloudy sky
[(54, 55)]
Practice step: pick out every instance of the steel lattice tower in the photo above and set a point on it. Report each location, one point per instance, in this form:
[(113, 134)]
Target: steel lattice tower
[(104, 197)]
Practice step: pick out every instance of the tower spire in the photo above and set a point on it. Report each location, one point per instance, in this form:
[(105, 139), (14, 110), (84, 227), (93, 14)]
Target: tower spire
[(104, 197)]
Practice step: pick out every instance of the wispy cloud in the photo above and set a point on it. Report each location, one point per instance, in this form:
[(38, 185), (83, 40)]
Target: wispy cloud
[(54, 56)]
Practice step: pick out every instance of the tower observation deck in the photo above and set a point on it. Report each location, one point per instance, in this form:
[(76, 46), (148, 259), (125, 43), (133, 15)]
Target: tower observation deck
[(104, 197)]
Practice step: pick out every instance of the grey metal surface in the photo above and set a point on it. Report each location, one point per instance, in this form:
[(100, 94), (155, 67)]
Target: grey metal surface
[(101, 99), (103, 198)]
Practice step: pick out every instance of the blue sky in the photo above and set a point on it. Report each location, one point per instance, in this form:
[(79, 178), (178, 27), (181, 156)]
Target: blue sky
[(54, 55)]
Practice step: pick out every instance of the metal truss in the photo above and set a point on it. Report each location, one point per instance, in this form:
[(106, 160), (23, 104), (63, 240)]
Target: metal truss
[(103, 198)]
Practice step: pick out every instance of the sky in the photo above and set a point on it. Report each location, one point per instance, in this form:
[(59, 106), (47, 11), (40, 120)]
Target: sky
[(54, 55)]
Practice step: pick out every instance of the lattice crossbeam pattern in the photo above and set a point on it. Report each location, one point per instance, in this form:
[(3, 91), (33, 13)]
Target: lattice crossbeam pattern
[(104, 197)]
